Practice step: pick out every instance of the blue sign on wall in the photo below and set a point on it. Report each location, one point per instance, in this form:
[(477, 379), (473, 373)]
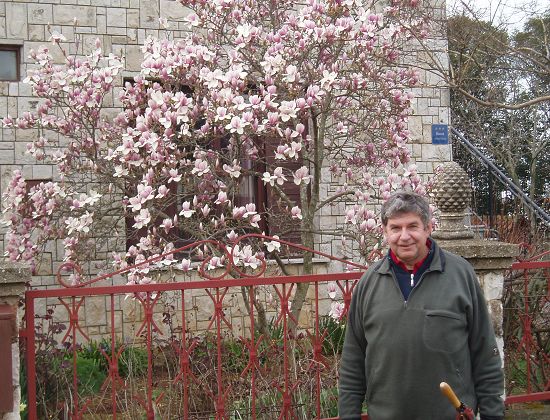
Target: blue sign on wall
[(440, 134)]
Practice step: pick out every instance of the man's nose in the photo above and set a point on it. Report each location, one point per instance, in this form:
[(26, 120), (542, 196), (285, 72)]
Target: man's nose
[(405, 234)]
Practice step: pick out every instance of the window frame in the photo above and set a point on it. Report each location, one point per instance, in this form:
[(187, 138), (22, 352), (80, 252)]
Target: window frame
[(17, 49)]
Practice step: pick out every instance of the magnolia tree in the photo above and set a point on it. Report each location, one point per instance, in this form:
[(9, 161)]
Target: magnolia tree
[(286, 93)]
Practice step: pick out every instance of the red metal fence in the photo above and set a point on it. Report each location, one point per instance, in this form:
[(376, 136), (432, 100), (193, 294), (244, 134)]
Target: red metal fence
[(246, 360), (527, 330), (164, 369)]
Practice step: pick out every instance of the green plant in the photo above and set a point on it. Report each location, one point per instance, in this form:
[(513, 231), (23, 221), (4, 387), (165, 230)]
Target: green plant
[(329, 401), (90, 376), (335, 333), (132, 360)]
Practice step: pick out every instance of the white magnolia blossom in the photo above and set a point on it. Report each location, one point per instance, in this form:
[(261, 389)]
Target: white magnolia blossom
[(186, 210), (143, 219), (273, 245), (332, 288)]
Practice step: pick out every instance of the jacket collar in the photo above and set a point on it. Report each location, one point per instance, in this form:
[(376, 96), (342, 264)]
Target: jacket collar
[(438, 261)]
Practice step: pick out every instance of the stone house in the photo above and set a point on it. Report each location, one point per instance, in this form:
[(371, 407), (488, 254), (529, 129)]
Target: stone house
[(122, 26)]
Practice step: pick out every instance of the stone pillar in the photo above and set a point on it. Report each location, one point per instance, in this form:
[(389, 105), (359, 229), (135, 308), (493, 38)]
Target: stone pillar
[(13, 280), (490, 259)]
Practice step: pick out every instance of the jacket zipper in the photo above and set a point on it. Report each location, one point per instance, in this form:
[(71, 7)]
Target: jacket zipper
[(412, 284)]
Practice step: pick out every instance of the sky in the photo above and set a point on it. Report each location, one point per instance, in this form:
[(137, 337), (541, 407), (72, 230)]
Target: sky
[(512, 13)]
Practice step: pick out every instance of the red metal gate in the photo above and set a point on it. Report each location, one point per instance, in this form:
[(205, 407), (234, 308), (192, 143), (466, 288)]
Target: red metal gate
[(229, 370), (527, 330)]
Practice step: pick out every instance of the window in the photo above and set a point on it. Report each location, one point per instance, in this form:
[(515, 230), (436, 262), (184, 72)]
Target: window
[(9, 62)]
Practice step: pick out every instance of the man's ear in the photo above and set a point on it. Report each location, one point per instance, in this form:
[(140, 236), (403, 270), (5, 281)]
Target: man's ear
[(430, 227)]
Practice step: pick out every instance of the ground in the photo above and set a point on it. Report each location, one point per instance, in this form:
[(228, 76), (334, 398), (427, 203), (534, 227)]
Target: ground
[(533, 411)]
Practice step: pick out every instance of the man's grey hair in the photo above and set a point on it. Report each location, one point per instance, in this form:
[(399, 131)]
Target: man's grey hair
[(406, 202)]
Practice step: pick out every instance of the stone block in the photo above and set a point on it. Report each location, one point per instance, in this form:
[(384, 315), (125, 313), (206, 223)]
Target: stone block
[(445, 95), (439, 153), (65, 14), (173, 10), (155, 33), (132, 18), (16, 21), (132, 35), (20, 154), (134, 56), (115, 30), (36, 32), (141, 36), (495, 311), (42, 171), (415, 127), (104, 3), (13, 278), (422, 106), (7, 157), (3, 27), (118, 39), (132, 309), (427, 92), (88, 41), (204, 308), (118, 322), (13, 89), (149, 14), (44, 267), (116, 17), (40, 13), (444, 115), (3, 101)]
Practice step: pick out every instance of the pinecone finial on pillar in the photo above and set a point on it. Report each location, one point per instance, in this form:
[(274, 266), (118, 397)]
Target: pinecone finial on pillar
[(452, 194)]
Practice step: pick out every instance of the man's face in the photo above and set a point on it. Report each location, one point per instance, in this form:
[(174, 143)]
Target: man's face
[(406, 236)]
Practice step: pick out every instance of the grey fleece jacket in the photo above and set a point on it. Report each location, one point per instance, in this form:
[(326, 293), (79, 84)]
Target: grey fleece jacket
[(396, 352)]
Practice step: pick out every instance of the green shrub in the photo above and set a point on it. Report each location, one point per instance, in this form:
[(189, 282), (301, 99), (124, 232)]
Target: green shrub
[(132, 360), (90, 376)]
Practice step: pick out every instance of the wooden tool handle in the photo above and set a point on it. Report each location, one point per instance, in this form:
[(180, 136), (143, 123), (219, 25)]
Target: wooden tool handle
[(449, 393)]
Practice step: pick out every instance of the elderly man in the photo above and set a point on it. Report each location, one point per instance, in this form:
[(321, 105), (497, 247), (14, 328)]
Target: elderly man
[(417, 318)]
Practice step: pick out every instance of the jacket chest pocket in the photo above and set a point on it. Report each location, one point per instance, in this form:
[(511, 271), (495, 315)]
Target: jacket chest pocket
[(444, 331)]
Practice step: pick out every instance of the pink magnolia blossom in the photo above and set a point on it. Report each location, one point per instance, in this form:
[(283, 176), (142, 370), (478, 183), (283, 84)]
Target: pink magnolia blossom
[(302, 175), (296, 213), (174, 176), (167, 225), (332, 288), (201, 167), (236, 125), (222, 198), (57, 37), (233, 170), (336, 310)]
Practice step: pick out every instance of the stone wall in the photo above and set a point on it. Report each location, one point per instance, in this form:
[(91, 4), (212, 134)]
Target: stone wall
[(122, 27)]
